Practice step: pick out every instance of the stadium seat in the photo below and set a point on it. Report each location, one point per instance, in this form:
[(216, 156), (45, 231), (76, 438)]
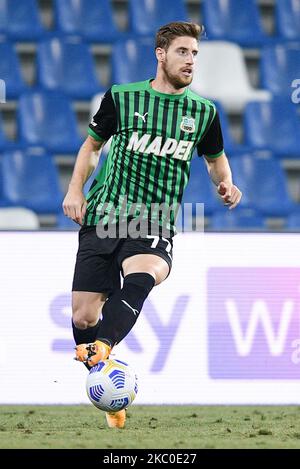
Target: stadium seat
[(221, 74), (30, 180), (90, 19), (235, 21), (287, 18), (18, 218), (3, 201), (293, 220), (60, 65), (146, 17), (10, 71), (133, 60), (274, 125), (20, 20), (47, 119), (280, 66), (200, 188), (238, 218), (65, 223), (4, 143), (263, 182)]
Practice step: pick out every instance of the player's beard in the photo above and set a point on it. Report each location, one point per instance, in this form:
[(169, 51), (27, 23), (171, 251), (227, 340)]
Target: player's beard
[(176, 81)]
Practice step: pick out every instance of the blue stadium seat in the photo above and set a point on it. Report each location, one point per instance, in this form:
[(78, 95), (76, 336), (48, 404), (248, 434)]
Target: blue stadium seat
[(287, 17), (47, 119), (30, 180), (274, 125), (65, 223), (10, 71), (60, 65), (200, 188), (20, 20), (279, 67), (237, 218), (235, 21), (133, 60), (293, 220), (4, 143), (90, 19), (3, 201), (145, 16), (263, 182)]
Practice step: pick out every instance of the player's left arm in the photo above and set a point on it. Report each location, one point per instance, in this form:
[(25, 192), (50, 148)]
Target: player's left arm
[(220, 173), (211, 146)]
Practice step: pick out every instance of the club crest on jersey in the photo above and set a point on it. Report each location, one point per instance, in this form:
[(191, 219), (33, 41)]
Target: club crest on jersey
[(187, 124)]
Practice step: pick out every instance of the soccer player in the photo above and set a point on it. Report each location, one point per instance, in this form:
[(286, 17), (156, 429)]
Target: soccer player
[(156, 125)]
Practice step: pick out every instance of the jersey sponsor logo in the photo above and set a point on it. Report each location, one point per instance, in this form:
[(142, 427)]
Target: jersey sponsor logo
[(179, 150), (187, 124), (143, 117)]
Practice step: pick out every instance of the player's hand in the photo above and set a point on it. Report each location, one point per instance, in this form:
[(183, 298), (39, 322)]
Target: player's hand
[(230, 194), (74, 205)]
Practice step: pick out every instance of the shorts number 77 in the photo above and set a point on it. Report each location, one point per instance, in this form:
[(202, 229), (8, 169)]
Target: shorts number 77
[(155, 243)]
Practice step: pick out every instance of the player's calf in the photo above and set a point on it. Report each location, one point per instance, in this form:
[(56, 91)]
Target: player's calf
[(122, 309)]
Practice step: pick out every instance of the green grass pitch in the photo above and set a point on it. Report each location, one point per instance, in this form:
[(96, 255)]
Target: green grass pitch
[(151, 427)]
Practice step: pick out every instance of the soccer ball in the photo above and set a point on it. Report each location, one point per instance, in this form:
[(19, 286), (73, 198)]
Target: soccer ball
[(111, 385)]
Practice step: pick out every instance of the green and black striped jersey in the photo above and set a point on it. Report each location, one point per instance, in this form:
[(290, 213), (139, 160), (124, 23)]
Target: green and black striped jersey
[(154, 137)]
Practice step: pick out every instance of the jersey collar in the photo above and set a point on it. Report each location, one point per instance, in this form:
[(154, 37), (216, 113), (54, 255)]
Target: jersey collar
[(164, 95)]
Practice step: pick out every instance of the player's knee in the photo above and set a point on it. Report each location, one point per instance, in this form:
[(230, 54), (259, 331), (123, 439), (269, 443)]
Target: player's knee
[(82, 319), (79, 322), (161, 273), (86, 313)]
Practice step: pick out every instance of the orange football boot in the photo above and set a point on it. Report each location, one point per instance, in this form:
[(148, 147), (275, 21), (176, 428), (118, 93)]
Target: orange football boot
[(92, 353), (116, 419)]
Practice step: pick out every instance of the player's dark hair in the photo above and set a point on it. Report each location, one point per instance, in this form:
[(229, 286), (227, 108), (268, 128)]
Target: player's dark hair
[(167, 33)]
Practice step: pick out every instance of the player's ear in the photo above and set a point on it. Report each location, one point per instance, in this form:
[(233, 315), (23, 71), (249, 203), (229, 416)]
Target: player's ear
[(160, 54)]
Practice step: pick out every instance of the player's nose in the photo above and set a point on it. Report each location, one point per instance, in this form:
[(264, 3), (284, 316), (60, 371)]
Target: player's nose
[(190, 59)]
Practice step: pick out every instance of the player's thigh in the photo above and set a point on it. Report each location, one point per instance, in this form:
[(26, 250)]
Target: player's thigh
[(150, 263), (151, 254), (86, 308)]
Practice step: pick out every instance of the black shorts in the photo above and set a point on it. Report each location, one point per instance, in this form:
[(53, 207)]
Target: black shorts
[(99, 261)]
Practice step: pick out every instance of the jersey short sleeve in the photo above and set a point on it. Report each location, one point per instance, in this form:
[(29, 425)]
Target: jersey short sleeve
[(104, 123), (212, 142)]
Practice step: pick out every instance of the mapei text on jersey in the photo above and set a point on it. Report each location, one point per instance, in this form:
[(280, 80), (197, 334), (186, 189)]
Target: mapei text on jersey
[(179, 150)]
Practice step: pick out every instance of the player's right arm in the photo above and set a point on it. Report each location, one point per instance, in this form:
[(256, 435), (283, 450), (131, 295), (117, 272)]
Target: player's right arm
[(74, 204), (102, 127)]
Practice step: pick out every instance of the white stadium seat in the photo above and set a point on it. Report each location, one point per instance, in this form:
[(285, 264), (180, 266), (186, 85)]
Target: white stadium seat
[(18, 218), (221, 74)]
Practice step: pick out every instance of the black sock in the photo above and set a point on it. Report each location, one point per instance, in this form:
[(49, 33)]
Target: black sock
[(85, 336), (122, 309)]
